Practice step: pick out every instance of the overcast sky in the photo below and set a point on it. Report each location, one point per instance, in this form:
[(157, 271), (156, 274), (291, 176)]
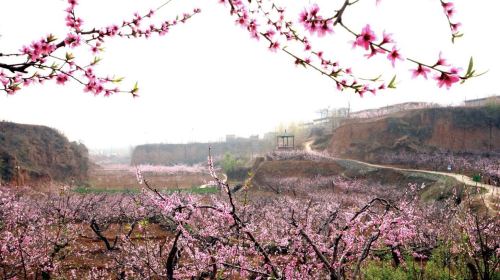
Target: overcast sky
[(207, 78)]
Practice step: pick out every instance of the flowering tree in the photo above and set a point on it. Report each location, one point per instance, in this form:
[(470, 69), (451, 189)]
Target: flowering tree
[(52, 57)]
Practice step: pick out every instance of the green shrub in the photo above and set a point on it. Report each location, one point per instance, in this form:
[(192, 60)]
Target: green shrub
[(442, 265), (230, 163), (383, 271), (476, 178), (434, 270)]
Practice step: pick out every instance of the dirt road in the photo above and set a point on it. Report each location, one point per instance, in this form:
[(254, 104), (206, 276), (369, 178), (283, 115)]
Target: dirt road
[(211, 185), (491, 191)]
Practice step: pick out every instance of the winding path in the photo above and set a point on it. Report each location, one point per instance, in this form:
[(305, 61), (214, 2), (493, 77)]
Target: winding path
[(211, 185), (491, 191)]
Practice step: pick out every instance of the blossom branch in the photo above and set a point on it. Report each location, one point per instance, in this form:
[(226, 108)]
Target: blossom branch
[(40, 53)]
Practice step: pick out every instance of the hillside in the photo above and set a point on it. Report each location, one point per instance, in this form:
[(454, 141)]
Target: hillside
[(299, 171), (458, 130), (42, 155), (169, 154)]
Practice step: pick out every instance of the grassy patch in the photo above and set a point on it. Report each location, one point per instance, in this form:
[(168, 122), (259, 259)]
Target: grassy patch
[(437, 193), (192, 190), (358, 167), (90, 190), (428, 176)]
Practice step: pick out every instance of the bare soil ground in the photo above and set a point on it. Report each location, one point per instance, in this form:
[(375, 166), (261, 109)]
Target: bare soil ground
[(107, 179)]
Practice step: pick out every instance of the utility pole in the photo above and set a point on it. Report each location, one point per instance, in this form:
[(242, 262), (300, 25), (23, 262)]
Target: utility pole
[(348, 109)]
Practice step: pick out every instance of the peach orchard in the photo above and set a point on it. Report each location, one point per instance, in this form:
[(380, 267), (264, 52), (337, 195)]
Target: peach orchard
[(306, 231)]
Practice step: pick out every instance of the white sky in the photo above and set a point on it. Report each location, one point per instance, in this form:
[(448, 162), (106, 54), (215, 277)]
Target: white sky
[(207, 78)]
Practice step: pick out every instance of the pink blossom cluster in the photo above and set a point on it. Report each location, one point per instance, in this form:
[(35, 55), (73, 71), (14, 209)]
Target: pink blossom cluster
[(318, 186), (367, 40), (71, 20), (314, 23), (444, 76), (299, 155), (449, 10), (40, 49)]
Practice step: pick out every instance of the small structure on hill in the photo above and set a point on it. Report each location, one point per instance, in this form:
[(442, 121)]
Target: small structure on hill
[(285, 141)]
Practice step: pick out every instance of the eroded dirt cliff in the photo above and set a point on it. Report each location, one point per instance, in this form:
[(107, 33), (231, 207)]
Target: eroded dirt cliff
[(31, 154), (458, 130)]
